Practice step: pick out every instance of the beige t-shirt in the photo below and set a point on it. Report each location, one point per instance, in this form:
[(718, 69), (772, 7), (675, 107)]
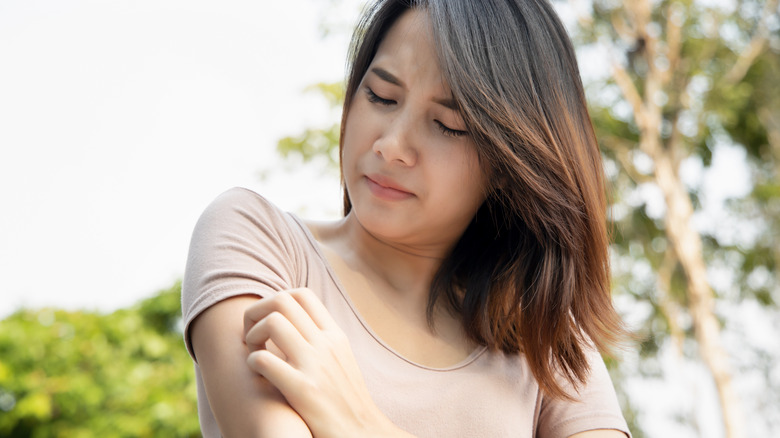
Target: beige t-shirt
[(243, 244)]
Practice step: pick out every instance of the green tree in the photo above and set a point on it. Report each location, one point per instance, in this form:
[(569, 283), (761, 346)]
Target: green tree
[(84, 374), (688, 77), (319, 142)]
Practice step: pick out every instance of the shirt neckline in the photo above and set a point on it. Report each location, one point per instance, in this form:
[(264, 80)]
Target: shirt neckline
[(315, 245)]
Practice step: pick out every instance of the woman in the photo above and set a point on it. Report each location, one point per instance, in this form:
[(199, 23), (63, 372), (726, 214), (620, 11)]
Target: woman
[(466, 290)]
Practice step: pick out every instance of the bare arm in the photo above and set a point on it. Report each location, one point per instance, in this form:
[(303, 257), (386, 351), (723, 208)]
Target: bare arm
[(244, 403), (600, 433)]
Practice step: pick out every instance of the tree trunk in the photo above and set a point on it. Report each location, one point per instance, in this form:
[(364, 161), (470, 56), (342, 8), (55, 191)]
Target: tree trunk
[(687, 244), (685, 240)]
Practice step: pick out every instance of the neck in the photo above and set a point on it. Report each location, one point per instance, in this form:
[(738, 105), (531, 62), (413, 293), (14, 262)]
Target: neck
[(406, 270)]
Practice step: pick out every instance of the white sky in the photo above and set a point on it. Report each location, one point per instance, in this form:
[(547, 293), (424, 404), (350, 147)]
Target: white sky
[(120, 120)]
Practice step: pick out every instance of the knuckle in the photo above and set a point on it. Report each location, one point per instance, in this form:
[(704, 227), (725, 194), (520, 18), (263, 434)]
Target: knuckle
[(303, 293), (256, 336), (274, 320), (334, 340), (338, 337), (284, 302)]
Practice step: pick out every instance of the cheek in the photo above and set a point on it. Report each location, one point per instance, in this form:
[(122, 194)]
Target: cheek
[(356, 137), (460, 186), (353, 151), (473, 181), (347, 149), (462, 168)]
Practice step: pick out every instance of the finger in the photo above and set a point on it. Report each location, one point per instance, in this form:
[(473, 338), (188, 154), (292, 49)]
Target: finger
[(278, 330), (291, 382), (271, 346), (273, 368), (313, 306), (285, 304)]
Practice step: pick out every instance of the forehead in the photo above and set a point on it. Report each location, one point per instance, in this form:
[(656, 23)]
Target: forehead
[(411, 27), (408, 47), (413, 20)]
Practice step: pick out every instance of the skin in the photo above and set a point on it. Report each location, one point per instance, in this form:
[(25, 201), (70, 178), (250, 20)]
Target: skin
[(235, 392), (415, 183)]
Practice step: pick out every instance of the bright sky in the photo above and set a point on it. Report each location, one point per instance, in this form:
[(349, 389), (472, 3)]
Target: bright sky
[(120, 120)]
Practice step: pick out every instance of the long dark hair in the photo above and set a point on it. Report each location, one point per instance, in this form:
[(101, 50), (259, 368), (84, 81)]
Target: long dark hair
[(531, 272)]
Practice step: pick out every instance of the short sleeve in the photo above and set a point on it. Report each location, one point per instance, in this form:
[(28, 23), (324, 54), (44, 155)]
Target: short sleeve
[(596, 406), (241, 245)]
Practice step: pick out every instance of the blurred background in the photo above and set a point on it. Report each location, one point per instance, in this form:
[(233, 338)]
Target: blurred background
[(121, 120)]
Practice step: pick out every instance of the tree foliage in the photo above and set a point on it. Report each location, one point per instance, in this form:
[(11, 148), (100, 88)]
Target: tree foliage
[(315, 143), (690, 79), (83, 374)]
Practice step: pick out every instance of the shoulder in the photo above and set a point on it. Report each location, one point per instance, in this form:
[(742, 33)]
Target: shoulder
[(243, 205), (242, 217), (241, 226), (242, 245)]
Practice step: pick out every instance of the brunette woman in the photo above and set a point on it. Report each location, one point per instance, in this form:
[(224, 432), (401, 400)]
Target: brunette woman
[(465, 293)]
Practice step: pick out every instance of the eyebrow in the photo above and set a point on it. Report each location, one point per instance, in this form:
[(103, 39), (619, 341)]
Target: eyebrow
[(389, 77), (448, 103)]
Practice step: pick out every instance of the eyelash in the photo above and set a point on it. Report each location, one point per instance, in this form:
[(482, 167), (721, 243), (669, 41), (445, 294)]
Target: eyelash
[(449, 132), (373, 98)]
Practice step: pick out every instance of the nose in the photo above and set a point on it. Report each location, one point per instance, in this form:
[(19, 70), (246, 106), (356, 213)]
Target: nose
[(396, 142)]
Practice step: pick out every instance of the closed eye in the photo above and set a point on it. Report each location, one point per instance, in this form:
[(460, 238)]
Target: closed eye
[(449, 132), (373, 98)]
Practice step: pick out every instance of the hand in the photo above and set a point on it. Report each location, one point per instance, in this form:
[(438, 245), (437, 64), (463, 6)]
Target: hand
[(295, 344)]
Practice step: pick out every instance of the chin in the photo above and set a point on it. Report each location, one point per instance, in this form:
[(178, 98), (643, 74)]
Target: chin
[(382, 224)]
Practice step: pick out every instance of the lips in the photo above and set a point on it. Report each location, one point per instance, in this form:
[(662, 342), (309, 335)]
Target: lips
[(387, 189)]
